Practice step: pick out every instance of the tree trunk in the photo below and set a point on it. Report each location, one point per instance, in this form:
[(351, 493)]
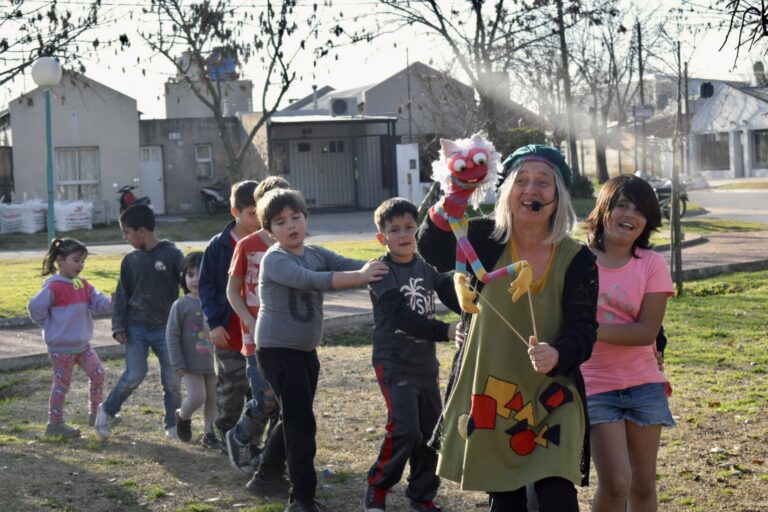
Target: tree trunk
[(601, 160), (573, 156)]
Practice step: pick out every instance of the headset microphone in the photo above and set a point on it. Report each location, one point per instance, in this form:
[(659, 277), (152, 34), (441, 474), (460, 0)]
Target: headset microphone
[(538, 205)]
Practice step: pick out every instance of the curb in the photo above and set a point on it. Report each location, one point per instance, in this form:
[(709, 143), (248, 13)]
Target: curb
[(716, 270), (17, 363)]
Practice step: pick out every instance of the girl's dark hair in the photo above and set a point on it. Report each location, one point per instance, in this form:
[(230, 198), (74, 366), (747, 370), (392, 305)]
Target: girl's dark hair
[(191, 260), (636, 190), (61, 247)]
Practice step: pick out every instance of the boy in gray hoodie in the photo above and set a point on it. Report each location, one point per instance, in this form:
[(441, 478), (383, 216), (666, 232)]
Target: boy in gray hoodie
[(146, 290)]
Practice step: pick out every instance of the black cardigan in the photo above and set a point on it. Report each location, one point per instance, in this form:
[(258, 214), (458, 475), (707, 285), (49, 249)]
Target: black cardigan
[(579, 329)]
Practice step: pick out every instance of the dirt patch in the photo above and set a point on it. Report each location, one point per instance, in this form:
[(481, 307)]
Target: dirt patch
[(713, 460)]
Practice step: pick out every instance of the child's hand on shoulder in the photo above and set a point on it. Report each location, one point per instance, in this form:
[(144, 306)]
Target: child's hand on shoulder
[(374, 270)]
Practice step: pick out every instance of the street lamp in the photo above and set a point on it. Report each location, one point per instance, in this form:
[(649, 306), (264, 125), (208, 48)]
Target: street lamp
[(46, 72)]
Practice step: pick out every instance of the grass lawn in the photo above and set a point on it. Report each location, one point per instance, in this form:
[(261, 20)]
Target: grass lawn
[(714, 459), (745, 185), (194, 227), (102, 270)]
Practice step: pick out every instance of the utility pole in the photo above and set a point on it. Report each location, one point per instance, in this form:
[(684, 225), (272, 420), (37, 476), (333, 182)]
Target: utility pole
[(642, 94), (686, 120), (573, 156), (410, 112), (674, 217)]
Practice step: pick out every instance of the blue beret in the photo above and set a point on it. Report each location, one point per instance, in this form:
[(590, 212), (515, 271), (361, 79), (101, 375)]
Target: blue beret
[(537, 152)]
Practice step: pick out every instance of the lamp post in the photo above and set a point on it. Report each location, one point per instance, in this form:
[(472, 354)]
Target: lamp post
[(46, 72)]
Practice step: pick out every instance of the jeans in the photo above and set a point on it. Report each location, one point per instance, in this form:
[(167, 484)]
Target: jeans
[(250, 427), (140, 340)]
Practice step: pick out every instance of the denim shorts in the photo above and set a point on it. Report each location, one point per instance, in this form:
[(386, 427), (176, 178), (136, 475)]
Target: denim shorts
[(643, 405)]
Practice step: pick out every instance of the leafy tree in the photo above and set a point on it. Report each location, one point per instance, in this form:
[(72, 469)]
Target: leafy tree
[(273, 33), (33, 29)]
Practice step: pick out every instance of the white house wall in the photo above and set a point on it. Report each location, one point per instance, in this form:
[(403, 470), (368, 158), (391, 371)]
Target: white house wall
[(84, 114), (734, 114)]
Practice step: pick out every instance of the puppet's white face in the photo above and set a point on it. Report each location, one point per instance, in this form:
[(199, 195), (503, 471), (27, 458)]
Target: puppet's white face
[(473, 161)]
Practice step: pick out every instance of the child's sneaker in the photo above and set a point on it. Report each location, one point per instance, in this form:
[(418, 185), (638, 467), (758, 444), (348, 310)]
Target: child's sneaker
[(183, 427), (239, 454), (375, 499), (103, 422), (208, 440), (61, 429), (170, 433), (425, 506), (115, 421)]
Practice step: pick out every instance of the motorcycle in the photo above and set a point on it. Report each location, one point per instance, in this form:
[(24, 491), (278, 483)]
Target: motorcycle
[(128, 198), (214, 198), (663, 189)]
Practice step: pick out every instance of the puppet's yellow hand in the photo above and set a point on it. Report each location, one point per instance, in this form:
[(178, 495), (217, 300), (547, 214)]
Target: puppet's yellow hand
[(522, 282), (464, 294)]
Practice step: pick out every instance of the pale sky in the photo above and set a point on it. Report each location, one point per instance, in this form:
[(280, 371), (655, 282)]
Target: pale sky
[(357, 65)]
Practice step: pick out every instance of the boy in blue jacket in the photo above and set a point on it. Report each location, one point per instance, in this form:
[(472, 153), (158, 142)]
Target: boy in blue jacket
[(231, 385)]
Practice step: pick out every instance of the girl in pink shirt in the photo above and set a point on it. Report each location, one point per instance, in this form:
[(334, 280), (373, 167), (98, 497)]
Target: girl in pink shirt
[(626, 390)]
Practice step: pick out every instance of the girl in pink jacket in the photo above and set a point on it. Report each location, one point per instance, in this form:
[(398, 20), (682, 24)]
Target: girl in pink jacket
[(64, 309)]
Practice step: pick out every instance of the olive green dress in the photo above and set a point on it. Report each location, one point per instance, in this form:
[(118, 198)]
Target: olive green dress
[(505, 425)]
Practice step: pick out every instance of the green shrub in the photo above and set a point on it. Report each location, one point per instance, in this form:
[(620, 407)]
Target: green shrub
[(513, 138), (582, 187)]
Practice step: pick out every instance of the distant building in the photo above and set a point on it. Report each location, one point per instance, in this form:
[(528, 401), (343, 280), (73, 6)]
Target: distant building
[(187, 154), (347, 137), (729, 134), (182, 102), (95, 135)]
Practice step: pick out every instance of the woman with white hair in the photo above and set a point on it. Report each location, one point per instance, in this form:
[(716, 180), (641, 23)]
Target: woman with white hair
[(515, 410)]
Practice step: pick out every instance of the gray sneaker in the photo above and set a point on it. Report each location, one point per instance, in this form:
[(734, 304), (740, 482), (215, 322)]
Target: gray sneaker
[(239, 454), (115, 421), (103, 423), (61, 429)]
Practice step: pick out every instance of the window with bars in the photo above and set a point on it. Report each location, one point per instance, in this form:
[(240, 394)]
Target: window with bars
[(760, 139), (77, 173), (713, 151)]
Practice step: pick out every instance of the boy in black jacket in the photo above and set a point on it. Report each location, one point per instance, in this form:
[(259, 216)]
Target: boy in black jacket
[(404, 358), (148, 286)]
